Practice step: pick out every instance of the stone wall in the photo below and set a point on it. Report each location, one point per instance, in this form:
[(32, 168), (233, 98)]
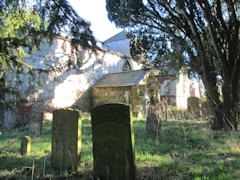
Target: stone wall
[(138, 96), (128, 95), (177, 88), (8, 118), (61, 84)]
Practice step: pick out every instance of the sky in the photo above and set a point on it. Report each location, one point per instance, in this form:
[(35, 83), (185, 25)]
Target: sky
[(94, 11)]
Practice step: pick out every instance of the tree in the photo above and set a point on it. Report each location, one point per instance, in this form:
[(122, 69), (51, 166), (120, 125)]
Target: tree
[(203, 35), (25, 24)]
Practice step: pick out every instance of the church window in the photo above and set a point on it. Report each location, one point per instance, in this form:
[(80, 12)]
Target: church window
[(127, 66)]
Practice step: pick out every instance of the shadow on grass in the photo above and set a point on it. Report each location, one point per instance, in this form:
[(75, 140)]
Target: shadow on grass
[(15, 166), (183, 150), (211, 167), (186, 150)]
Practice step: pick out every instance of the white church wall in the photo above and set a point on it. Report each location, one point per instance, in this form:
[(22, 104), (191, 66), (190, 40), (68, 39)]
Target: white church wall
[(64, 86), (183, 90), (177, 88), (168, 87)]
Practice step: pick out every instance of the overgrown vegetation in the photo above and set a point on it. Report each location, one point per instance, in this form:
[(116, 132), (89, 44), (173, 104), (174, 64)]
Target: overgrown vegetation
[(185, 149)]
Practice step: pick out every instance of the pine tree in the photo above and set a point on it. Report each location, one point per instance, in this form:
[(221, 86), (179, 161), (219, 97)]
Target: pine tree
[(26, 24)]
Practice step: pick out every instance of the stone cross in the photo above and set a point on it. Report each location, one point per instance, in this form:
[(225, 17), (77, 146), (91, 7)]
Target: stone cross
[(25, 145), (66, 139), (113, 142)]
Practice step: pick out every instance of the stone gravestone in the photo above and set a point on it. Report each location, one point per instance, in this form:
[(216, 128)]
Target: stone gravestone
[(25, 145), (66, 139), (35, 122), (206, 111), (113, 142), (153, 125), (193, 105)]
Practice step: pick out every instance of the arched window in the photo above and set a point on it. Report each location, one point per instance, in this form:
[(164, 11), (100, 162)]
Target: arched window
[(127, 66)]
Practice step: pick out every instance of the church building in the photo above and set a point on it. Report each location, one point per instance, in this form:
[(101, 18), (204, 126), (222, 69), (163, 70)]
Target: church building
[(74, 78), (175, 86)]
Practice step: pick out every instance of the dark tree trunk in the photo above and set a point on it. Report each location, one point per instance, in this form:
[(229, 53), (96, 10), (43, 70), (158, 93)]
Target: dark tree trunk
[(213, 96), (225, 111), (230, 106)]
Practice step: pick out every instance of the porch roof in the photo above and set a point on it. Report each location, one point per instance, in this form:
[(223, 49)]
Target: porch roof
[(121, 79)]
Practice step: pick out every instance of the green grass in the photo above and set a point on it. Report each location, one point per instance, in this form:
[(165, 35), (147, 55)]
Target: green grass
[(184, 149)]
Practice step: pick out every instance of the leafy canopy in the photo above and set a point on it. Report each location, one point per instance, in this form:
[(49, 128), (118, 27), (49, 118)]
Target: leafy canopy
[(202, 35), (180, 31), (25, 24)]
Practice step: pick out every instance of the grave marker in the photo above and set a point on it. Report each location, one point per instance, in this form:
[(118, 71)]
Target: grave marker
[(206, 111), (66, 139), (153, 125), (113, 142), (35, 122), (193, 105), (25, 145)]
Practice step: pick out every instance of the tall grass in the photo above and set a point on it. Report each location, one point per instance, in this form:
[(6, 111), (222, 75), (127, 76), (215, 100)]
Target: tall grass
[(185, 149)]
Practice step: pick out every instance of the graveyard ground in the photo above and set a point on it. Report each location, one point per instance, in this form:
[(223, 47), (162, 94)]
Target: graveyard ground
[(185, 149)]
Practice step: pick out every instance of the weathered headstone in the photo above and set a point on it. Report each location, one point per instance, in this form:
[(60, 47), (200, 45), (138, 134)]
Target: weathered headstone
[(206, 111), (25, 145), (153, 125), (8, 117), (35, 122), (193, 105), (66, 139), (113, 142)]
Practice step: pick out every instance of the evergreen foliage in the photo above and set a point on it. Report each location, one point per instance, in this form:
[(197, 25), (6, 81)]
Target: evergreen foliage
[(202, 35), (27, 24)]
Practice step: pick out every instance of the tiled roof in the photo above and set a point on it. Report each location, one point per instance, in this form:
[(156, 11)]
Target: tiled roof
[(126, 78)]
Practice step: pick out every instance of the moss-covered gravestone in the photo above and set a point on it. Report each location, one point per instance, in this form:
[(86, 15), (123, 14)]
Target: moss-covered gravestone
[(153, 124), (113, 142), (25, 145), (206, 111), (193, 105), (66, 139)]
